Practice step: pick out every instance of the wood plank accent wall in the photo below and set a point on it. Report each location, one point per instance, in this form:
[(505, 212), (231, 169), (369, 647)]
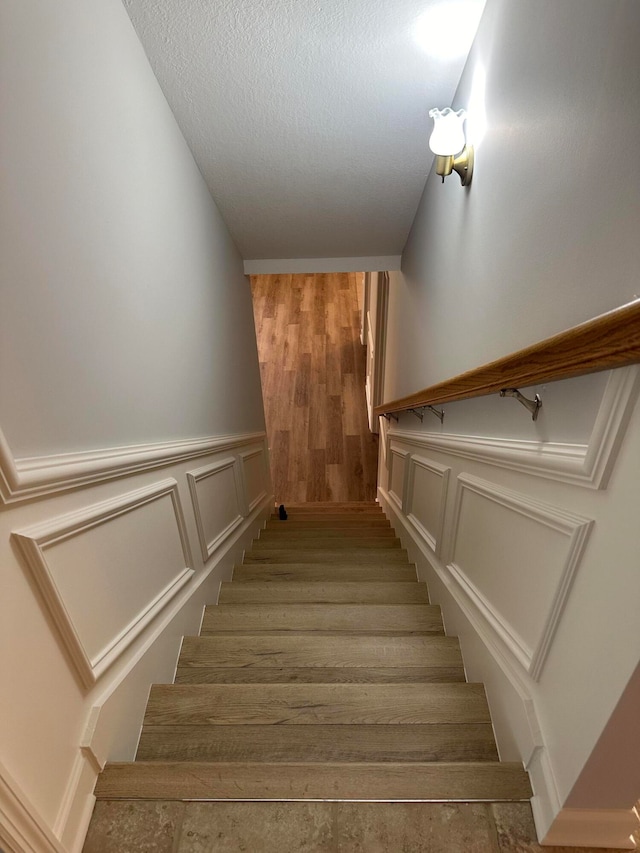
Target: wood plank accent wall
[(608, 341), (313, 382)]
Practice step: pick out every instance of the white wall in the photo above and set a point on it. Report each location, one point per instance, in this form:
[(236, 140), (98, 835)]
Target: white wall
[(544, 238), (546, 235), (124, 314), (133, 460)]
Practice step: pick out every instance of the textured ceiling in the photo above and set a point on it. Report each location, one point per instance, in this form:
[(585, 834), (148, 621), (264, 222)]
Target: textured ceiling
[(307, 118)]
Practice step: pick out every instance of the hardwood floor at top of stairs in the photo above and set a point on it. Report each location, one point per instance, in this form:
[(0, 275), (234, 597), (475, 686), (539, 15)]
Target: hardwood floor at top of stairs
[(312, 366)]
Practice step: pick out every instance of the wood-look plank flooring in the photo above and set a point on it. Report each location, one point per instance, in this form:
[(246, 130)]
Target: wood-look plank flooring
[(312, 366)]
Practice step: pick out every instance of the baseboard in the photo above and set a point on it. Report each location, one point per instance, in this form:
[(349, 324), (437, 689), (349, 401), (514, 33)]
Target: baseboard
[(608, 828)]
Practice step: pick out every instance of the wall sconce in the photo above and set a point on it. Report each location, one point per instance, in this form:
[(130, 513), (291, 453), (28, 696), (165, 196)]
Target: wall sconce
[(449, 145)]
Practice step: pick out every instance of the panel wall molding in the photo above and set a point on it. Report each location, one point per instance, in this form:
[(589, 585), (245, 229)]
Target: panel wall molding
[(433, 536), (22, 829), (30, 477), (251, 502), (209, 545), (396, 457), (574, 527), (588, 465), (34, 542)]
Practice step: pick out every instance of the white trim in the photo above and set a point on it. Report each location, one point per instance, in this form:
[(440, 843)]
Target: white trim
[(433, 539), (575, 527), (33, 542), (249, 506), (42, 475), (22, 828), (285, 266), (399, 500), (610, 828), (194, 477), (587, 465), (546, 800)]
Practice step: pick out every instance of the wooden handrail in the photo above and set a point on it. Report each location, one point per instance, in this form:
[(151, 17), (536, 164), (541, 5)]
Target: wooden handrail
[(610, 340)]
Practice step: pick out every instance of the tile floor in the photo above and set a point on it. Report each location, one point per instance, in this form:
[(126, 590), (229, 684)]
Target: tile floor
[(171, 827)]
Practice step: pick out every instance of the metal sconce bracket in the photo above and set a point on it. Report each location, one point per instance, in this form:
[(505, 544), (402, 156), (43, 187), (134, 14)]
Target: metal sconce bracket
[(532, 406)]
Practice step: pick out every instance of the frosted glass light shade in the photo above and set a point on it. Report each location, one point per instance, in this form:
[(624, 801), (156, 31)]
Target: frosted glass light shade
[(448, 135)]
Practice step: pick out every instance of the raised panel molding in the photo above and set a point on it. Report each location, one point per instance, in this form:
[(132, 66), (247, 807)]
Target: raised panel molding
[(35, 541), (433, 536), (575, 528), (250, 503), (22, 829), (208, 544), (397, 456), (21, 479), (588, 465)]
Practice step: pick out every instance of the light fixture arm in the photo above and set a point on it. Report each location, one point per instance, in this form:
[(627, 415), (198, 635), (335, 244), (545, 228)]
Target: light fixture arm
[(462, 164)]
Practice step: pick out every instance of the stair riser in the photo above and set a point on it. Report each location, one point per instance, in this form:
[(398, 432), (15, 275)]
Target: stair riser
[(321, 675), (349, 618), (337, 524), (328, 544), (305, 650), (323, 593), (302, 704), (293, 572), (366, 556), (318, 743)]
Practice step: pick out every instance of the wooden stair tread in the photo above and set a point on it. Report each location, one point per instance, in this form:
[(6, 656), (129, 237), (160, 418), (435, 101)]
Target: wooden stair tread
[(381, 782), (305, 704), (337, 592), (352, 618), (306, 650), (336, 534), (435, 742), (313, 506)]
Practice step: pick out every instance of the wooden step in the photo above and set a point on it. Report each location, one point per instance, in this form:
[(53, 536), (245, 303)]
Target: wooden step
[(369, 523), (307, 704), (304, 544), (349, 618), (320, 675), (436, 742), (318, 592), (292, 572), (362, 518), (369, 556), (307, 650), (378, 782), (340, 534), (334, 506)]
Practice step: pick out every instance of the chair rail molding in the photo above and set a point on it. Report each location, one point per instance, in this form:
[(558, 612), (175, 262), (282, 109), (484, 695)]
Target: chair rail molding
[(35, 541), (588, 465), (35, 476)]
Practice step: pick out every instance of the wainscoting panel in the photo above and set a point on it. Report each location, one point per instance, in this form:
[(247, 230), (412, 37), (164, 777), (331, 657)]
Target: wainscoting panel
[(397, 460), (87, 567), (514, 559), (253, 467), (218, 502), (426, 499)]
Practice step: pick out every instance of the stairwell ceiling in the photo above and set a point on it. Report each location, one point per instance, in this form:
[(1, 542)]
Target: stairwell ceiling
[(307, 118)]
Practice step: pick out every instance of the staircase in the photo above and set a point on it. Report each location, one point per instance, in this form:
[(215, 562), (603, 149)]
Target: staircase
[(322, 674)]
